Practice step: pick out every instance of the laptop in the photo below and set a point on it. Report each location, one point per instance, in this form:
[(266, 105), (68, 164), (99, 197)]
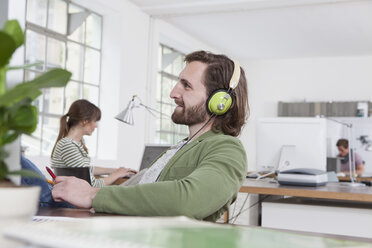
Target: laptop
[(79, 172), (150, 153)]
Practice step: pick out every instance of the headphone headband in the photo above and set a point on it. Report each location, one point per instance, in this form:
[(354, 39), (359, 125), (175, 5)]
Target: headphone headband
[(235, 76), (220, 101)]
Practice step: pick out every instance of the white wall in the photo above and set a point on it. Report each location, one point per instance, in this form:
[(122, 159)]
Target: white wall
[(310, 79), (129, 66), (164, 33), (124, 62)]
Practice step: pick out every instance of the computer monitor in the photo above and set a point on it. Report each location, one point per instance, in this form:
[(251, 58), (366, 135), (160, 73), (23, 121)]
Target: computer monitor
[(290, 143), (150, 153), (333, 164)]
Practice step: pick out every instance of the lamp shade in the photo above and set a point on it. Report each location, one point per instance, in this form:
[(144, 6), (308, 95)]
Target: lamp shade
[(126, 115)]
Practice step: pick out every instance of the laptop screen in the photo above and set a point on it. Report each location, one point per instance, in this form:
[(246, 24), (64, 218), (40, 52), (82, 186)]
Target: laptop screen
[(150, 153)]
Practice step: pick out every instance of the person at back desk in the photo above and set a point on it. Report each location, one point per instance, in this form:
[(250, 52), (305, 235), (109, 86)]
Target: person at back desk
[(200, 176), (70, 150), (343, 149)]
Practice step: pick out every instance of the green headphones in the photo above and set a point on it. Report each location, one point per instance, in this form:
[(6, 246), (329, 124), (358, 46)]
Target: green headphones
[(220, 101)]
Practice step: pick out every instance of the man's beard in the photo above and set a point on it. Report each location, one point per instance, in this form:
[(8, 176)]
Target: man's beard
[(190, 116)]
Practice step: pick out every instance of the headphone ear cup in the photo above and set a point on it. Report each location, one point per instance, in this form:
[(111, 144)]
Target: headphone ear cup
[(217, 104)]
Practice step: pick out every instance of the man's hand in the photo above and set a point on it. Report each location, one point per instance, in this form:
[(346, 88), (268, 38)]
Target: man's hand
[(76, 191)]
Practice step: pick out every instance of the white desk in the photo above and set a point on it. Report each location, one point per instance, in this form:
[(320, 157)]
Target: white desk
[(338, 205)]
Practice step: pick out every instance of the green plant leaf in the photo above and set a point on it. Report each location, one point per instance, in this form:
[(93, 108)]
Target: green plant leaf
[(54, 78), (9, 137), (13, 29), (2, 80), (24, 66), (25, 173), (23, 119), (7, 48)]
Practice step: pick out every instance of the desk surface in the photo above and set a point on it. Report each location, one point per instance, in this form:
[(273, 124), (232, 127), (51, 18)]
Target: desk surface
[(181, 233), (331, 191)]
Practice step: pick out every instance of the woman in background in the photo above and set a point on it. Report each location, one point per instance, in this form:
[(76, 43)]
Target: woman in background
[(70, 149)]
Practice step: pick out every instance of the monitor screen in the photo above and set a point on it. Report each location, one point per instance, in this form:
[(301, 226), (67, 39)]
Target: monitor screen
[(291, 142)]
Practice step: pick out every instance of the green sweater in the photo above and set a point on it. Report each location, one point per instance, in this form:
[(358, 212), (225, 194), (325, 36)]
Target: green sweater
[(200, 181)]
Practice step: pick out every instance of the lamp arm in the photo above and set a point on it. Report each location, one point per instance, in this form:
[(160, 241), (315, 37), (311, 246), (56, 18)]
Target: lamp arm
[(151, 109)]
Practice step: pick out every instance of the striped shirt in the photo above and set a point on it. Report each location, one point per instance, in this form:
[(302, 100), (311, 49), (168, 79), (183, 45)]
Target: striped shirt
[(71, 153)]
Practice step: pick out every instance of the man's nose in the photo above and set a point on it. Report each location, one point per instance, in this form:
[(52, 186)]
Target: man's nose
[(175, 92)]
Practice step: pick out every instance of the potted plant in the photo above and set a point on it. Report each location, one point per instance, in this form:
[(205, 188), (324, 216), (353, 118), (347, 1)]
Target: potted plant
[(18, 116)]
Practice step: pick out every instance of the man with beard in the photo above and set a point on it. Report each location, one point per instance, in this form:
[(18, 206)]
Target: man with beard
[(200, 176)]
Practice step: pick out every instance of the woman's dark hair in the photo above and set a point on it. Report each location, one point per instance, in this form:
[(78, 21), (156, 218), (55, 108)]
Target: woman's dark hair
[(80, 110), (217, 76)]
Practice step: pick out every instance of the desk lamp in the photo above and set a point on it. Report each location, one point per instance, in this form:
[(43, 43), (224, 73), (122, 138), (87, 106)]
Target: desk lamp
[(126, 115), (351, 158)]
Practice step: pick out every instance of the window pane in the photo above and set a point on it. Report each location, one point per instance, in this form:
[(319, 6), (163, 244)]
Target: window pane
[(93, 38), (35, 49), (50, 134), (91, 143), (37, 12), (56, 53), (53, 103), (57, 16), (78, 34), (75, 57), (72, 93), (157, 124), (32, 142), (167, 86), (178, 65), (165, 138), (167, 60), (91, 93), (92, 66), (166, 123), (38, 102)]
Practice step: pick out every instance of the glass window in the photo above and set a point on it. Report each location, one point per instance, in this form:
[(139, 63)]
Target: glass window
[(49, 134), (57, 16), (171, 63), (37, 12), (53, 101), (91, 93), (75, 58), (94, 24), (72, 93), (55, 53), (35, 49), (92, 66), (49, 44)]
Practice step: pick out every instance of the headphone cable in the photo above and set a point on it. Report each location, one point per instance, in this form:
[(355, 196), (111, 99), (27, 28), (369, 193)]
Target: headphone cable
[(188, 140)]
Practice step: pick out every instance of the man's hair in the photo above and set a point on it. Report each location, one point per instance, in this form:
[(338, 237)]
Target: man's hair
[(217, 76), (343, 142)]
